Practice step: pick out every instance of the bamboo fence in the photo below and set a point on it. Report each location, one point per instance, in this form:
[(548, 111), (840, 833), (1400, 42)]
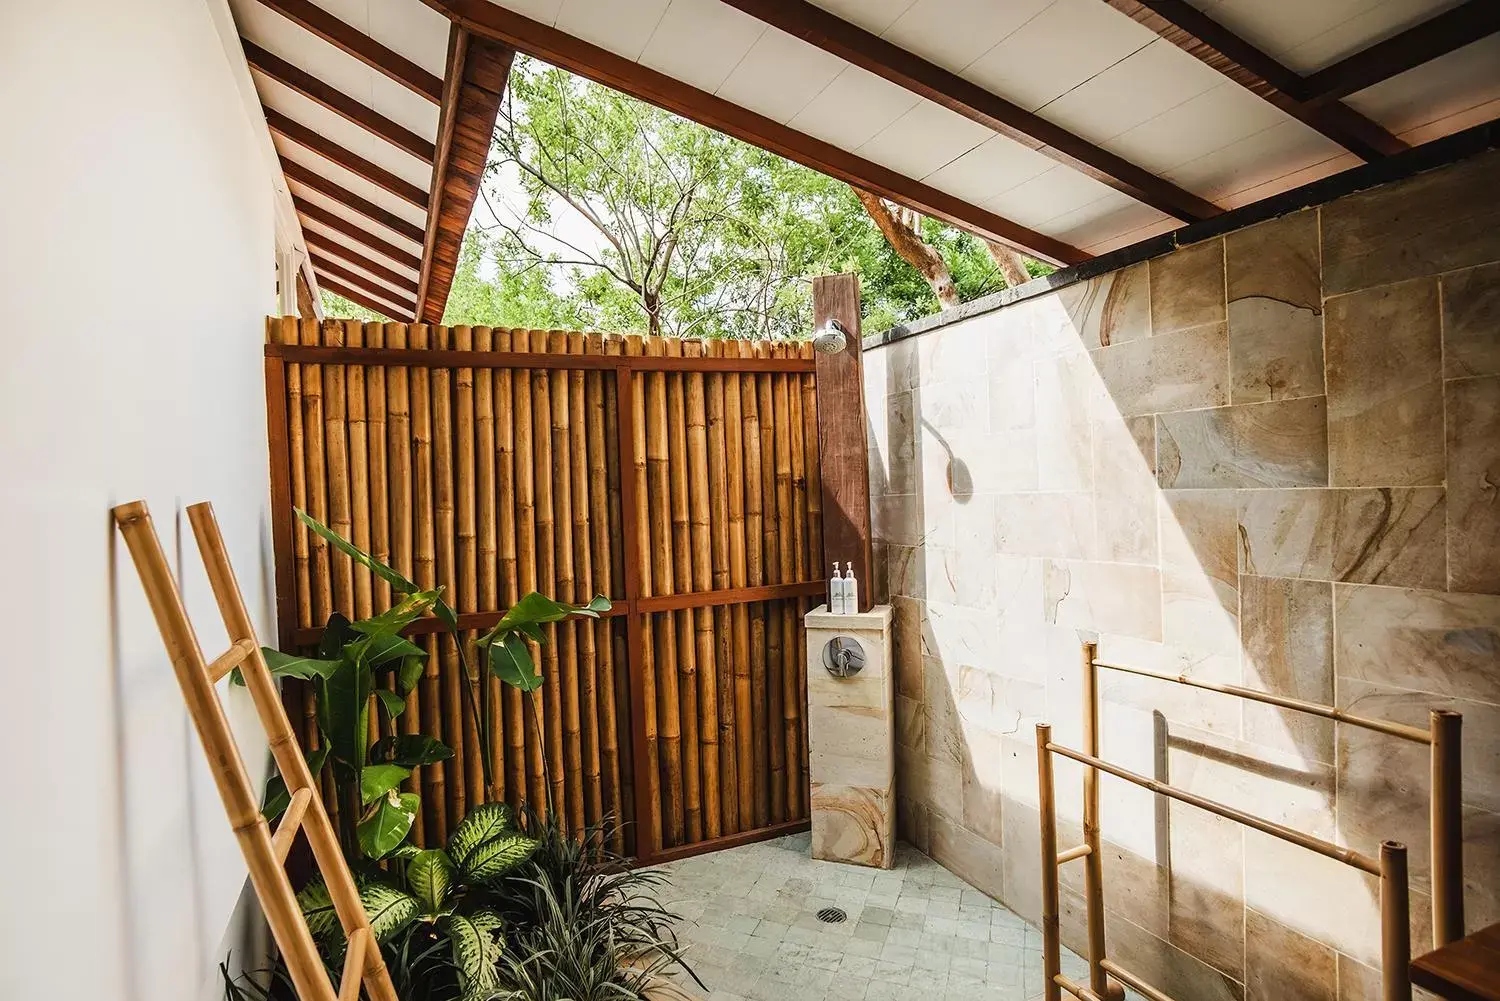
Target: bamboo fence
[(678, 478)]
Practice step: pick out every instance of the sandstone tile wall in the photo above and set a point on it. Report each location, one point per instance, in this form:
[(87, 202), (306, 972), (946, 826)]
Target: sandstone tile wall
[(1271, 459)]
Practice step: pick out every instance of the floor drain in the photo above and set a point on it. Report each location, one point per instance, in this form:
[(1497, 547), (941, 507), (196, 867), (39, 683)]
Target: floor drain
[(831, 915)]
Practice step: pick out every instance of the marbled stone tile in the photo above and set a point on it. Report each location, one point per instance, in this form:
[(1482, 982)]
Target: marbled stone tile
[(971, 461), (1187, 287), (1286, 627), (1471, 322), (1385, 391), (1281, 444), (1206, 905), (1427, 641), (1112, 308), (1277, 260), (1119, 598), (957, 635), (1064, 455), (904, 576), (1473, 409), (906, 520), (966, 854), (1284, 965), (1068, 389), (957, 352), (1358, 982), (897, 453), (854, 824), (1280, 786), (1199, 536), (1012, 393), (911, 725), (908, 624), (1275, 351), (962, 401), (983, 786), (1439, 221), (1385, 536), (1180, 370), (1045, 524), (1125, 489)]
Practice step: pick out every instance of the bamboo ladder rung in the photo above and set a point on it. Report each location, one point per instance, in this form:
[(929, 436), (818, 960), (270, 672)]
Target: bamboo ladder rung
[(229, 660), (291, 823)]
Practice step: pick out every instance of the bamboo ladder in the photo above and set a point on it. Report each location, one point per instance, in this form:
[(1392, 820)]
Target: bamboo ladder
[(265, 853)]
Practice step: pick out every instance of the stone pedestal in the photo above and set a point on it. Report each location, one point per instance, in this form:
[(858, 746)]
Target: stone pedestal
[(851, 740)]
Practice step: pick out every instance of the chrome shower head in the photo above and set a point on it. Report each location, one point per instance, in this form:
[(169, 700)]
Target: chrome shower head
[(830, 338)]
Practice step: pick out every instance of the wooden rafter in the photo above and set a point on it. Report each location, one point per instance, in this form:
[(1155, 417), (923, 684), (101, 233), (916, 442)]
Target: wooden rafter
[(1435, 37), (337, 223), (478, 69), (317, 242), (354, 163), (869, 51), (1199, 35), (294, 171), (602, 66), (326, 265), (341, 104), (368, 301), (313, 18)]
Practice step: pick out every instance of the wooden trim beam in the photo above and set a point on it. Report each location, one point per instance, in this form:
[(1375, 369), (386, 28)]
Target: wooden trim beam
[(339, 224), (869, 51), (311, 17), (478, 69), (1433, 38), (602, 66), (317, 241), (326, 265), (294, 171), (367, 301), (843, 452), (443, 357), (336, 101), (380, 177), (1214, 45)]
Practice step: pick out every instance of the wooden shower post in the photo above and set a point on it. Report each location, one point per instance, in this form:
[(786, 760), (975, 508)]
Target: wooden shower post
[(843, 452)]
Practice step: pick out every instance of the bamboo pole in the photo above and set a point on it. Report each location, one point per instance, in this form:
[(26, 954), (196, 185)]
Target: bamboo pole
[(487, 555), (546, 567), (669, 713), (466, 596), (1051, 927), (528, 544), (739, 614), (379, 472), (564, 581), (1395, 924), (336, 461), (1447, 827), (317, 476), (722, 655), (445, 530), (424, 562), (1093, 863), (400, 447), (608, 569), (643, 445), (288, 333), (771, 558), (580, 414), (755, 576), (786, 537), (507, 503), (700, 545), (682, 576), (356, 412)]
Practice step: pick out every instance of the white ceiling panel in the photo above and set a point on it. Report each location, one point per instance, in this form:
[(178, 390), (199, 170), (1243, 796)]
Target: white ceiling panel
[(1277, 152), (1195, 128), (871, 15), (413, 30), (1060, 48), (1133, 90), (335, 236), (985, 171), (1307, 36), (1437, 90), (924, 139), (853, 108), (343, 133), (1108, 218), (393, 294), (954, 33), (621, 26), (349, 181), (1048, 196), (780, 75), (701, 41), (307, 194), (544, 11)]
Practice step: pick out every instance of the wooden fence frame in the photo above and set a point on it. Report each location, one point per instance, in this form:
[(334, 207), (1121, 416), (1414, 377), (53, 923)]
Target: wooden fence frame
[(632, 604)]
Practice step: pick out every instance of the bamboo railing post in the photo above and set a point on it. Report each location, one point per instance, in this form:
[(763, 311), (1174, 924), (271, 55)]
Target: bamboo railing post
[(424, 565), (591, 563), (682, 575), (564, 582), (1093, 862), (1447, 827), (546, 570), (336, 460), (755, 575), (487, 557), (1395, 924), (701, 577), (400, 449), (317, 475), (376, 436), (465, 598), (450, 692), (1046, 807), (635, 570), (721, 651), (739, 653), (662, 576), (528, 543), (771, 529), (358, 438)]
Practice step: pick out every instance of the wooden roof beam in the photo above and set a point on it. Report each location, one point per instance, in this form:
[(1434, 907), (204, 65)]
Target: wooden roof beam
[(585, 59), (341, 104), (310, 17), (317, 242), (294, 171), (1435, 37), (869, 51), (380, 177), (1199, 35), (368, 301), (478, 69), (337, 223), (325, 265)]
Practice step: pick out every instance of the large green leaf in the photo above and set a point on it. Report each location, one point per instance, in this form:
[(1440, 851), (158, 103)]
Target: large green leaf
[(388, 909), (393, 703), (277, 798), (484, 823), (430, 874), (398, 583), (318, 910), (377, 780), (383, 648), (335, 634), (537, 607), (387, 822), (410, 672), (344, 710), (476, 954), (286, 665), (396, 618), (510, 661), (494, 858), (410, 750)]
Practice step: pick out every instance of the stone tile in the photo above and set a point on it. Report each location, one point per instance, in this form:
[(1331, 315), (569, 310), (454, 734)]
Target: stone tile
[(1275, 350), (1064, 455), (1106, 597), (967, 855), (1280, 786), (1439, 221), (1045, 524), (906, 520), (1473, 409), (1281, 444), (1125, 489), (1428, 641), (1286, 627), (903, 571), (1386, 536), (853, 824), (1012, 393), (1112, 308), (1471, 322), (1187, 287), (1173, 371), (898, 446), (1385, 394), (1276, 260), (1285, 965), (983, 786), (1358, 982)]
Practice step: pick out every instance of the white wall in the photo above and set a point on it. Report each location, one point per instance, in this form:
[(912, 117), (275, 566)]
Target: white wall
[(137, 247)]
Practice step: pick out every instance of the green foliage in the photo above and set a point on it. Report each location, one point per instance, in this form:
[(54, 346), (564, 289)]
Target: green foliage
[(336, 307)]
